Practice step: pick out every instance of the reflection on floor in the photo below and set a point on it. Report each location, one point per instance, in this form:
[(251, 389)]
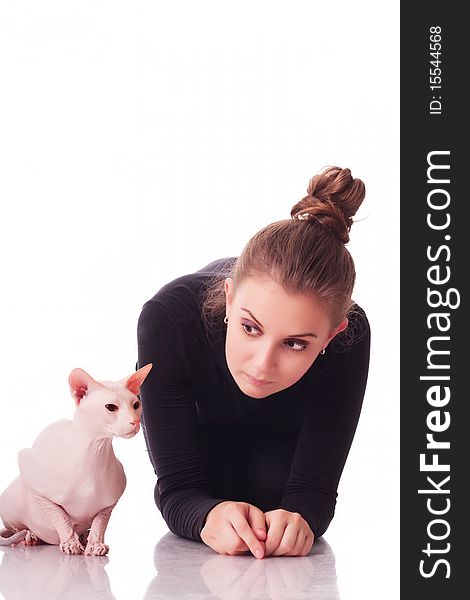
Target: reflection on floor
[(187, 569), (43, 571), (183, 570)]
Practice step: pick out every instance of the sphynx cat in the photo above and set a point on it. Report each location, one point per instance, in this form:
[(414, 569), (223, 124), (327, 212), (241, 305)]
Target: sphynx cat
[(70, 479)]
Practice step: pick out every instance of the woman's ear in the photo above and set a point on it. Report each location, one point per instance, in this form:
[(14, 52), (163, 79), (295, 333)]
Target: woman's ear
[(228, 286), (341, 327)]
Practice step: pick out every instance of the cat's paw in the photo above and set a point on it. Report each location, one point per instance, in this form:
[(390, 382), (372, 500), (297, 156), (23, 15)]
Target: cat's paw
[(96, 548), (31, 539), (72, 545)]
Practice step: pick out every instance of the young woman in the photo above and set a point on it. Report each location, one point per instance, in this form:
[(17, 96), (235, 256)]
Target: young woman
[(259, 370)]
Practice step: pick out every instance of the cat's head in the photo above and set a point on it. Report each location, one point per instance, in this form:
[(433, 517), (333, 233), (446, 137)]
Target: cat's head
[(108, 408)]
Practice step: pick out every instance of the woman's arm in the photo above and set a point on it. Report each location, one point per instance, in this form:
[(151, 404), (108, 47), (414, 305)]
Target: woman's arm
[(329, 425), (170, 425)]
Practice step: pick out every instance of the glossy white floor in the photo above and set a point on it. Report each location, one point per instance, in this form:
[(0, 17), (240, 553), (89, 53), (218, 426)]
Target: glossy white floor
[(181, 569)]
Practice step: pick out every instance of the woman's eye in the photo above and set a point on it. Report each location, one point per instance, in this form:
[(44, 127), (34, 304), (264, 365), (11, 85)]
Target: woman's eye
[(296, 346), (111, 407), (248, 329)]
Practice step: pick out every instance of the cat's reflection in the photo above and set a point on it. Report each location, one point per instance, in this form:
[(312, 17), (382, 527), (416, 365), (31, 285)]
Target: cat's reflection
[(188, 569), (43, 572)]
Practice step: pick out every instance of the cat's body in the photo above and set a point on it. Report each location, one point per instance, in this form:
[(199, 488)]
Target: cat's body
[(70, 479)]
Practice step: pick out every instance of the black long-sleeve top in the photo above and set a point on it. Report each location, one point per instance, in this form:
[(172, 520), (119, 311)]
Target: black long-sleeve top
[(191, 388)]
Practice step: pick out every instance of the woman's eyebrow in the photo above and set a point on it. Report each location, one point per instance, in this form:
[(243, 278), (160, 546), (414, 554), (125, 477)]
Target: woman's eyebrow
[(296, 335)]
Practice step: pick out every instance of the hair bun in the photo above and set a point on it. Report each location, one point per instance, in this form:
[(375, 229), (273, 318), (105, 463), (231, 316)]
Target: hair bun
[(334, 197)]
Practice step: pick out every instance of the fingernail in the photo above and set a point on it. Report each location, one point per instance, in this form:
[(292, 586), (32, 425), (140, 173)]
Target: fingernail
[(258, 553)]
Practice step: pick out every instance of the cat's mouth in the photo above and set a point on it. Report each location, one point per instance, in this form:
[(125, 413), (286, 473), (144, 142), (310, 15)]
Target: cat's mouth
[(130, 433)]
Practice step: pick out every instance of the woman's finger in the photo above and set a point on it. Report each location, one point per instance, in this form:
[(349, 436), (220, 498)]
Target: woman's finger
[(298, 544), (274, 537), (288, 540), (257, 521), (308, 543), (243, 529)]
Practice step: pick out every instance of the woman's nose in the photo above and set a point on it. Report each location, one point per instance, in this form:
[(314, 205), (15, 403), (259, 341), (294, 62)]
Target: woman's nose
[(265, 362)]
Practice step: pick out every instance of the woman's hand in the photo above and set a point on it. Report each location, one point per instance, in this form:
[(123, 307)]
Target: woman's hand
[(235, 528), (288, 534)]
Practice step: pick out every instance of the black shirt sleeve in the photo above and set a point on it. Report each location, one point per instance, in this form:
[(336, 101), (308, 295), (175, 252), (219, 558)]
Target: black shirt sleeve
[(170, 426), (328, 428)]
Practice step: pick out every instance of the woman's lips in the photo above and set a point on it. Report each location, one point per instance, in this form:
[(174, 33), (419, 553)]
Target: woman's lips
[(254, 381)]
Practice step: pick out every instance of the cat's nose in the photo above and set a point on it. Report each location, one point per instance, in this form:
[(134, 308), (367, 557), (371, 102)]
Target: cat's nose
[(134, 422)]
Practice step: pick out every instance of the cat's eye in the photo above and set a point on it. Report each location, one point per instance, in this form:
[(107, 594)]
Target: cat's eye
[(111, 407), (136, 405)]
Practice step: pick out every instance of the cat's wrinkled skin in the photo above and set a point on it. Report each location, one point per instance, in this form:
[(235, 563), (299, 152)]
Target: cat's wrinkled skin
[(70, 479)]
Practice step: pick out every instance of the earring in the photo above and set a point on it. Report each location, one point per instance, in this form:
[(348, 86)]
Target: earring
[(225, 319), (322, 351)]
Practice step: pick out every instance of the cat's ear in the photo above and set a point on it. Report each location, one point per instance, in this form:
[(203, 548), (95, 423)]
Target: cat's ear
[(134, 381), (80, 382)]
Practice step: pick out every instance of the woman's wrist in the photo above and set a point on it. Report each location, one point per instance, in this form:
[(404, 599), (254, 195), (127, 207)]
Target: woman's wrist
[(215, 509)]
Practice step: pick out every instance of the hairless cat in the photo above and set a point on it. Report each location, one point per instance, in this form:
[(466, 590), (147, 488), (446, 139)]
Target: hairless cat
[(70, 479)]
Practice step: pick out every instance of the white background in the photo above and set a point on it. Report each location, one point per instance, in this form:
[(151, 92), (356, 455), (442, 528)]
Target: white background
[(139, 141)]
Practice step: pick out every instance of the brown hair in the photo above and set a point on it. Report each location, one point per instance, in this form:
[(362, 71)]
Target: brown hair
[(305, 254)]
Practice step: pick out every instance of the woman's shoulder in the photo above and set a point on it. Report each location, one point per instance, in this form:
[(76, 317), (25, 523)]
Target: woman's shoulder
[(220, 266), (357, 317), (181, 297), (358, 330)]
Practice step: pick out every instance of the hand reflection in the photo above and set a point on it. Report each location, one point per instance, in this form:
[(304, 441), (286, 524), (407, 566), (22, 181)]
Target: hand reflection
[(278, 578), (188, 569)]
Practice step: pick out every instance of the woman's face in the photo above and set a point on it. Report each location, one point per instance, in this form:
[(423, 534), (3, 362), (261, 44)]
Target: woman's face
[(272, 337)]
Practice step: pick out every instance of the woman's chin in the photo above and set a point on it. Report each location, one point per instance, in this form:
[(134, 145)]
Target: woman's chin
[(255, 391)]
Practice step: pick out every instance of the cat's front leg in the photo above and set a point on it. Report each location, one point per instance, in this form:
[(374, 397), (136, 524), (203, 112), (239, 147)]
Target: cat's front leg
[(95, 544), (69, 541)]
